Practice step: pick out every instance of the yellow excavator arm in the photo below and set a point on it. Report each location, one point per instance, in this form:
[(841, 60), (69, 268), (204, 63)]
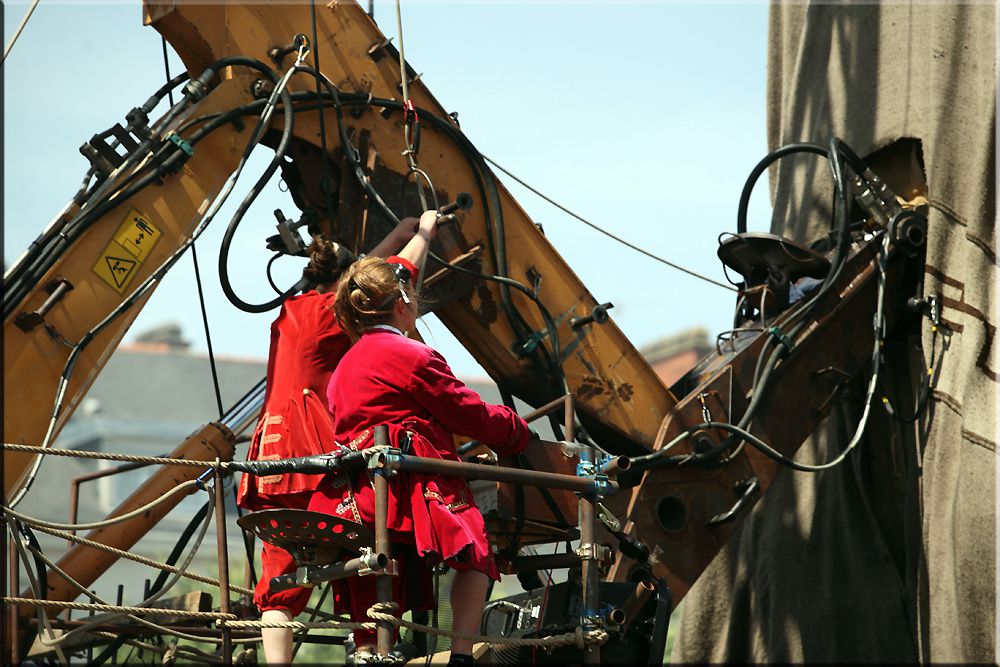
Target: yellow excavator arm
[(360, 146), (528, 327)]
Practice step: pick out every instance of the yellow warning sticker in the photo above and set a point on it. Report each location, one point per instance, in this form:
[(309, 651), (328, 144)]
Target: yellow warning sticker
[(137, 235), (116, 266), (123, 256)]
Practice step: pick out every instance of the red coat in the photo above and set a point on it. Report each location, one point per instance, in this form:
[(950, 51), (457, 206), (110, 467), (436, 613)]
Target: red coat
[(306, 345), (386, 378)]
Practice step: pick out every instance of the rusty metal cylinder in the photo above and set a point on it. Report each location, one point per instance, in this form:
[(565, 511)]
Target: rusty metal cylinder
[(637, 600), (615, 617), (616, 465)]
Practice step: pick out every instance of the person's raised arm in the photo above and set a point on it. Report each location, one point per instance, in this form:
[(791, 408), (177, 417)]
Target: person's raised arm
[(462, 411), (394, 240), (416, 249)]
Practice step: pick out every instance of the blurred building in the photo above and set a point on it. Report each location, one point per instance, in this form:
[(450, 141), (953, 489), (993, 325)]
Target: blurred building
[(673, 356)]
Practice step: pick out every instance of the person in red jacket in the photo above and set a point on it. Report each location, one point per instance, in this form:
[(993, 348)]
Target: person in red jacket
[(306, 345), (387, 378)]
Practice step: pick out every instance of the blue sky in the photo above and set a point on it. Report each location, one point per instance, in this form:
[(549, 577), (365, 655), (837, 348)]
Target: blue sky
[(644, 118)]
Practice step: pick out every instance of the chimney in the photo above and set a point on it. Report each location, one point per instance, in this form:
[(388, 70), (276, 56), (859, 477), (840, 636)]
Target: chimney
[(166, 336)]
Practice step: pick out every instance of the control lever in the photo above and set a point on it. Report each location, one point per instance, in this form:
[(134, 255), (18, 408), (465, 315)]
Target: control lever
[(447, 215), (599, 315), (287, 241)]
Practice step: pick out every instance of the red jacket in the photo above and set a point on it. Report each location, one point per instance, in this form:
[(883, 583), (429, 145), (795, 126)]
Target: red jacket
[(306, 345), (387, 378)]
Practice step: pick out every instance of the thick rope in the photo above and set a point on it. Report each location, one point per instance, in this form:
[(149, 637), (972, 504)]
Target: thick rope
[(107, 456), (580, 637), (141, 559), (151, 563), (39, 523), (31, 602), (299, 625), (17, 33)]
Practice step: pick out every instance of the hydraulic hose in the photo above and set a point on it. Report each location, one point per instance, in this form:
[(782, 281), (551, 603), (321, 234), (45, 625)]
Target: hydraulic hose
[(47, 249), (281, 90)]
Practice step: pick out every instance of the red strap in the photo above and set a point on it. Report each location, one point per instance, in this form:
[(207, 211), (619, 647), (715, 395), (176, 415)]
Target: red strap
[(409, 112)]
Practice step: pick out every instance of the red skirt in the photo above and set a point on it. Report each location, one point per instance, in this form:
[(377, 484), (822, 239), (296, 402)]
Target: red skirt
[(431, 519)]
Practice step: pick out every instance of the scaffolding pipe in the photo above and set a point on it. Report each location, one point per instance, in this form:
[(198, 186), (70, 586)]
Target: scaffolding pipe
[(383, 582)]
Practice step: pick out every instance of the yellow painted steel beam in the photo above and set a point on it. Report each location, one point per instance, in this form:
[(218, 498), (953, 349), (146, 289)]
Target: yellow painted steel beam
[(611, 381)]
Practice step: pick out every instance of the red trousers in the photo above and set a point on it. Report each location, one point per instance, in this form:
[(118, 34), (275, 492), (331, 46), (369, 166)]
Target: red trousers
[(275, 561)]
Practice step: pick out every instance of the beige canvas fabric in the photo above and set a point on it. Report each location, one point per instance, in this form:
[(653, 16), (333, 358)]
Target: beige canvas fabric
[(891, 557)]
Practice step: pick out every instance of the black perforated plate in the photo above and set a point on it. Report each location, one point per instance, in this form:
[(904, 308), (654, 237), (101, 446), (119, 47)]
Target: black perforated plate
[(296, 529), (751, 254)]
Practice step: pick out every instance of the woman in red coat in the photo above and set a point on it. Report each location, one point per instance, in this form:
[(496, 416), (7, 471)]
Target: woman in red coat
[(387, 378), (306, 345)]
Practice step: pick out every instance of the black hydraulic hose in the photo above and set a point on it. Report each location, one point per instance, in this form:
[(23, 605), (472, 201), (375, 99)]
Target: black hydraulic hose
[(769, 159), (40, 569), (227, 239), (488, 189), (158, 96), (843, 237), (45, 254)]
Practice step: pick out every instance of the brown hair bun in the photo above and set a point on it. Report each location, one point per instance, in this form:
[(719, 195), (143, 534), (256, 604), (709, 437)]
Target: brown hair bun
[(366, 294), (327, 260)]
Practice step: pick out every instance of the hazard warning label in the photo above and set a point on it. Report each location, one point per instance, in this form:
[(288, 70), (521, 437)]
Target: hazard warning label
[(124, 254), (137, 235)]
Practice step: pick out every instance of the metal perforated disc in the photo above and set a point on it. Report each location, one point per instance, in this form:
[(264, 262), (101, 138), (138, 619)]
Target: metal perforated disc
[(748, 254), (297, 529)]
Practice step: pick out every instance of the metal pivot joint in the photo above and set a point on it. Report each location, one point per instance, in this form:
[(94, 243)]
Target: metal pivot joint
[(299, 43), (599, 315), (57, 289)]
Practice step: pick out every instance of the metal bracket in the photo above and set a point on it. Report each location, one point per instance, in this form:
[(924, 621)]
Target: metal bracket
[(57, 289), (608, 519), (384, 461), (593, 551)]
